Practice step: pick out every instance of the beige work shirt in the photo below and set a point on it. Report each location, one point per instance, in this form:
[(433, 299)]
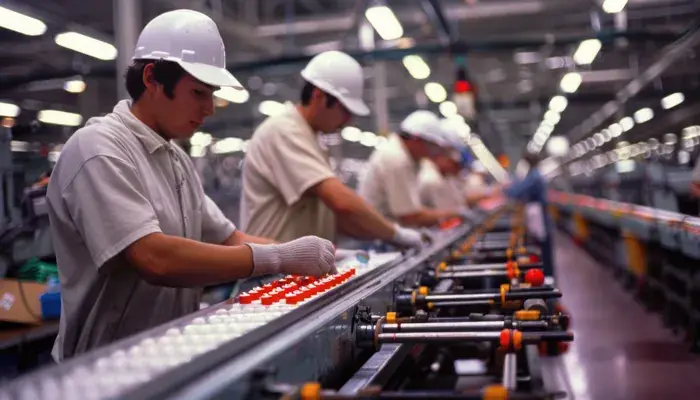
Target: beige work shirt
[(116, 182), (283, 161), (390, 182), (437, 191)]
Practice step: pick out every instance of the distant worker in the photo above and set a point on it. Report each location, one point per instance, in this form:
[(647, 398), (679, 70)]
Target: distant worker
[(135, 236), (443, 180), (391, 180), (289, 187), (532, 190)]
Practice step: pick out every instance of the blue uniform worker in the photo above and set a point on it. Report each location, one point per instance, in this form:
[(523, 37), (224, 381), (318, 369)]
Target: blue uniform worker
[(533, 189)]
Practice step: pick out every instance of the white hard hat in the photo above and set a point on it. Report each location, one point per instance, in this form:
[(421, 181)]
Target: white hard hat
[(190, 39), (425, 125), (339, 75)]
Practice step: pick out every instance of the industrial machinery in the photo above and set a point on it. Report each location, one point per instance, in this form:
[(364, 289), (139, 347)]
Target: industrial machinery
[(467, 318)]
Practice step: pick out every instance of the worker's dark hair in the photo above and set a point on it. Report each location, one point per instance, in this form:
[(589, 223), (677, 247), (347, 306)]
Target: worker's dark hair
[(167, 73), (308, 90), (531, 159)]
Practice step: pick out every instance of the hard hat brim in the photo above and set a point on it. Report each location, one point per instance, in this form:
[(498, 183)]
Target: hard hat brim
[(211, 75), (355, 106)]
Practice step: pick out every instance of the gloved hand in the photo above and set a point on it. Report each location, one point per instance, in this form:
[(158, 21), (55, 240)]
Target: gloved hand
[(405, 237), (342, 254), (309, 255)]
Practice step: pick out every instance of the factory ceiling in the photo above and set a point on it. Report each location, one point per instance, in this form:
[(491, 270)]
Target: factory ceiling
[(516, 53)]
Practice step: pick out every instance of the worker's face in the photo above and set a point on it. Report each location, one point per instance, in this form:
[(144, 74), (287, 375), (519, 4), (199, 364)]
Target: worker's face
[(447, 165), (329, 119), (181, 116)]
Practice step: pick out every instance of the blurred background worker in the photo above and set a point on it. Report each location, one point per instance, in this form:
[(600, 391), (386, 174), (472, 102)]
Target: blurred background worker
[(391, 181), (289, 187), (135, 236), (532, 190), (443, 180)]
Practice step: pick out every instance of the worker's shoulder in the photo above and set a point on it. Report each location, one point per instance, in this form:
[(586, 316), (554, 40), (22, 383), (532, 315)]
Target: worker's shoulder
[(100, 136), (276, 126)]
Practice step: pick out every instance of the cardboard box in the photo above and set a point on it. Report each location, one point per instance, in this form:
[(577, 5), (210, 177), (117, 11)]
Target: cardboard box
[(12, 306)]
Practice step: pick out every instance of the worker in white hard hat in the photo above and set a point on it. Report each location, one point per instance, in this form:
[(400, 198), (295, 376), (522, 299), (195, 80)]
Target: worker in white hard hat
[(442, 180), (391, 180), (135, 236), (289, 187)]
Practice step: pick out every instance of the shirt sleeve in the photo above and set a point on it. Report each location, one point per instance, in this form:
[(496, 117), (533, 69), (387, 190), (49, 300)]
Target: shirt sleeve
[(297, 164), (216, 228), (403, 196), (106, 200)]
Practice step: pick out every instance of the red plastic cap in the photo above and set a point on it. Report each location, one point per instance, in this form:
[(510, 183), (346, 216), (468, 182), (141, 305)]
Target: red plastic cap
[(505, 338), (245, 298), (534, 258), (535, 277)]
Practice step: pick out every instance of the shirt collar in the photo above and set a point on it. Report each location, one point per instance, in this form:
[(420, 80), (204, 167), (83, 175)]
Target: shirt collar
[(148, 137), (293, 112)]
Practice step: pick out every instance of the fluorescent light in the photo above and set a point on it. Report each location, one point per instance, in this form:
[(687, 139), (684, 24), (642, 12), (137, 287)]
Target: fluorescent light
[(614, 6), (672, 100), (546, 128), (60, 118), (9, 110), (18, 146), (87, 45), (558, 104), (271, 108), (21, 23), (448, 109), (627, 123), (201, 139), (384, 22), (607, 135), (616, 130), (435, 92), (369, 139), (552, 117), (228, 145), (527, 57), (233, 95), (599, 139), (416, 67), (570, 82), (74, 86), (587, 51), (351, 134), (643, 115)]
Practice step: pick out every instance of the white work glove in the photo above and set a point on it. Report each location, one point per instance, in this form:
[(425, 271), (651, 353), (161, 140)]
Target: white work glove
[(309, 255), (342, 254), (405, 237)]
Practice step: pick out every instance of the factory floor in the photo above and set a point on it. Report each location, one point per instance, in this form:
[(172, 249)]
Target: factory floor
[(620, 351)]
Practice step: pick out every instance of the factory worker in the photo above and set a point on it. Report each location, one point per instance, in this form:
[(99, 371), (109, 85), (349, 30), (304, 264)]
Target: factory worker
[(289, 187), (533, 190), (391, 181), (442, 179), (135, 236)]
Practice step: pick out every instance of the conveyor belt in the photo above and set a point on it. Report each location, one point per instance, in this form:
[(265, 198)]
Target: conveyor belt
[(210, 365)]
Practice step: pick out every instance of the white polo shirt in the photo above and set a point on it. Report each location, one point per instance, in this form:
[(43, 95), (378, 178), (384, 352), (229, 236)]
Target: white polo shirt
[(390, 182), (437, 191), (283, 161), (116, 182)]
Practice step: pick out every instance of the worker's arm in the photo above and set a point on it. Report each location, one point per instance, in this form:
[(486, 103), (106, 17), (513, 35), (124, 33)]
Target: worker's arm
[(427, 217), (695, 189), (238, 238), (178, 262), (353, 215)]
